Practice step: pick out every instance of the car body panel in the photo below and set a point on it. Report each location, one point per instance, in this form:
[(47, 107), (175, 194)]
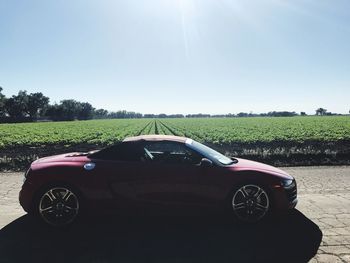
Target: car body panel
[(119, 186)]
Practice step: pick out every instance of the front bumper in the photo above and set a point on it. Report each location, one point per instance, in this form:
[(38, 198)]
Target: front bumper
[(292, 194), (285, 197)]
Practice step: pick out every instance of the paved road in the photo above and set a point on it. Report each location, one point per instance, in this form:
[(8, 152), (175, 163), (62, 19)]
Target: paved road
[(324, 198)]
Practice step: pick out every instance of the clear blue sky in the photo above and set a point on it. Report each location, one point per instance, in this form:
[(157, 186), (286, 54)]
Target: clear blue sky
[(180, 56)]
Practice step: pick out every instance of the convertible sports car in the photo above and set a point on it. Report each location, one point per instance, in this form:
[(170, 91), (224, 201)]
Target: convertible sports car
[(156, 173)]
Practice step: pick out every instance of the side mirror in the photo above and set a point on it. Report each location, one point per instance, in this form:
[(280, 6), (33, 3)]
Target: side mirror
[(206, 162), (234, 160)]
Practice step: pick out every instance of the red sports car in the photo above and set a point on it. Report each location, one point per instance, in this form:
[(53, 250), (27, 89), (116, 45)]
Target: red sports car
[(153, 173)]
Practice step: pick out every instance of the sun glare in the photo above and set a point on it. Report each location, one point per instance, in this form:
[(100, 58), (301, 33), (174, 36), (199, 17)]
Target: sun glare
[(186, 9), (183, 4)]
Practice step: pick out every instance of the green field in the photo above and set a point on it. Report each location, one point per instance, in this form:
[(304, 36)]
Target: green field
[(213, 130), (255, 136)]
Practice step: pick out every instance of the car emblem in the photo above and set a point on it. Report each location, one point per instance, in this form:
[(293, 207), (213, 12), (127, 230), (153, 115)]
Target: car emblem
[(89, 166)]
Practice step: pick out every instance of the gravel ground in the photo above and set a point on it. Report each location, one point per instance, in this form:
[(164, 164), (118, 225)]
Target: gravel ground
[(324, 198)]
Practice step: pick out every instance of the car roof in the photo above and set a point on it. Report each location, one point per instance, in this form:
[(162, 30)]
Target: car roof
[(156, 137)]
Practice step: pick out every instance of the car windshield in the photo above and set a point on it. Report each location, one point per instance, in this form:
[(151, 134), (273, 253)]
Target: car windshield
[(210, 153)]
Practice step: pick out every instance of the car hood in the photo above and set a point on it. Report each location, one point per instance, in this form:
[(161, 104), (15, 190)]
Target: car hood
[(67, 157), (244, 164)]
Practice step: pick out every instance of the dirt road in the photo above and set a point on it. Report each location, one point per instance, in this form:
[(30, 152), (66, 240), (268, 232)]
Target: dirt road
[(324, 198)]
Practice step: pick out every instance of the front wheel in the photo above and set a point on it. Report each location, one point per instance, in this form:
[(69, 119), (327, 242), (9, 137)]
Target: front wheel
[(58, 206), (250, 203)]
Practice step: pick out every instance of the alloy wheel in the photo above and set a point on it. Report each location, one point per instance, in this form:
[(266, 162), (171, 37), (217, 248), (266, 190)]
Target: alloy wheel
[(250, 203), (58, 206)]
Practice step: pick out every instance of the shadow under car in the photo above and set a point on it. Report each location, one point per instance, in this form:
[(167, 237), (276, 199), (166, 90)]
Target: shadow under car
[(288, 238)]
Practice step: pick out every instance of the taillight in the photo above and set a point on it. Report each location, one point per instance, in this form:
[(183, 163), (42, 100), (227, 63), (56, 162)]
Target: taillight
[(26, 175)]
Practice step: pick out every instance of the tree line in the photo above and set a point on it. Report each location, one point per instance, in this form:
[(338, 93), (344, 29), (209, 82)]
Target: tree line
[(26, 107)]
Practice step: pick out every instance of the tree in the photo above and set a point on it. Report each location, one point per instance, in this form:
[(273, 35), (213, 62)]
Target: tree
[(54, 112), (149, 115), (198, 115), (2, 103), (281, 113), (67, 110), (321, 111), (86, 111), (70, 109), (242, 114), (100, 114), (16, 106), (303, 113), (37, 103), (23, 105)]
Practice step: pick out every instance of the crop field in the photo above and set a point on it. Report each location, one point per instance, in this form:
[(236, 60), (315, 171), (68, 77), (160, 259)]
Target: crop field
[(278, 140)]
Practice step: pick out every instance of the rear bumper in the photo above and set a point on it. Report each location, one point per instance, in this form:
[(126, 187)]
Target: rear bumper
[(26, 196)]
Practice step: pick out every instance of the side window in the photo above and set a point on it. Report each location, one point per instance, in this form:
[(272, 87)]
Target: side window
[(126, 151), (171, 152)]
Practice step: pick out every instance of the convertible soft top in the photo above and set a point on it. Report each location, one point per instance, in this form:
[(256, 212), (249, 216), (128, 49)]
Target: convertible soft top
[(156, 138)]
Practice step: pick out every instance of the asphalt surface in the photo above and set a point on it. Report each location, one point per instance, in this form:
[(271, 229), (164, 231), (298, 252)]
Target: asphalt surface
[(324, 203)]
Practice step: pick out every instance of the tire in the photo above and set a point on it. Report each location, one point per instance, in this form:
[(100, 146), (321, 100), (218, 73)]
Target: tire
[(250, 203), (58, 206)]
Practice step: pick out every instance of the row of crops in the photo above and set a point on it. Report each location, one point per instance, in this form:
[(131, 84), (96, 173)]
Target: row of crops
[(99, 132), (260, 136), (268, 129), (212, 130)]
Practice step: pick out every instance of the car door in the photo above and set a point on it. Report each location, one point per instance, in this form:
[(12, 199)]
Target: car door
[(172, 176), (115, 170)]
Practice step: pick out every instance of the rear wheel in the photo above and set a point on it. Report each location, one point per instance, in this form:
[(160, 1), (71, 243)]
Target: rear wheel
[(250, 203), (58, 206)]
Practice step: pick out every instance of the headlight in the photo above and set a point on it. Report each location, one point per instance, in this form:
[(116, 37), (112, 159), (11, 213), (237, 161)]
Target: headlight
[(287, 182)]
